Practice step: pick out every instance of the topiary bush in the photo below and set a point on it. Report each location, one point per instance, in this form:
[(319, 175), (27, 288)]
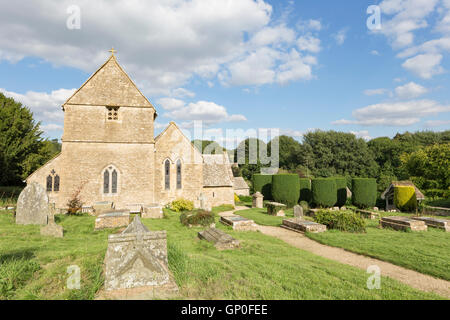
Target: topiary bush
[(324, 192), (286, 189), (182, 205), (263, 184), (364, 192), (341, 187), (405, 198), (197, 218), (305, 190), (348, 221)]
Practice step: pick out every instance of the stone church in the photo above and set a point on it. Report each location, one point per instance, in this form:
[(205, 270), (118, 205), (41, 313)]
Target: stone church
[(109, 152)]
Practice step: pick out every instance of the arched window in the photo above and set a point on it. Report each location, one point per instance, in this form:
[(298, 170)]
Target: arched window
[(110, 180), (167, 174), (49, 183), (179, 174), (56, 183)]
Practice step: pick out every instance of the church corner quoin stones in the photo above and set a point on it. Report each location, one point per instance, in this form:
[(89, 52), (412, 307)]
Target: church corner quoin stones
[(109, 151)]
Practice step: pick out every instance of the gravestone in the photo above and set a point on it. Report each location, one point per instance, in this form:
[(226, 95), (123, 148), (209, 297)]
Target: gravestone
[(238, 223), (298, 212), (257, 200), (136, 258), (203, 202), (134, 207), (113, 219), (220, 239), (102, 206), (403, 223), (32, 205), (299, 225), (52, 229), (153, 211), (275, 209), (443, 224)]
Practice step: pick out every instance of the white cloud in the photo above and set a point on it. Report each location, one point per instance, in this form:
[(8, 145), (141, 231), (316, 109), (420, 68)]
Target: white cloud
[(208, 112), (309, 25), (340, 36), (436, 123), (410, 90), (373, 92), (424, 65), (395, 114), (170, 103), (309, 43), (162, 44), (182, 93), (362, 134)]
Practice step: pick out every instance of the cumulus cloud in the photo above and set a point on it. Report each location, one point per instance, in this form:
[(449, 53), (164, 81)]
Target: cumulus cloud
[(170, 103), (309, 43), (410, 90), (395, 113), (340, 36), (161, 44), (436, 123), (362, 134), (424, 65)]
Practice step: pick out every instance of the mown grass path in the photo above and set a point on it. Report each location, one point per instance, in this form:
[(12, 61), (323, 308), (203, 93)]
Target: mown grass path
[(412, 278)]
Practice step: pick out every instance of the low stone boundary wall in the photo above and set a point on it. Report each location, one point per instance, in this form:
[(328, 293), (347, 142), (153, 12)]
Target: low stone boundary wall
[(437, 211)]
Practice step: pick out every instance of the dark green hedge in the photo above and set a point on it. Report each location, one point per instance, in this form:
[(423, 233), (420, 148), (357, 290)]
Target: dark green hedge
[(341, 186), (341, 220), (364, 192), (263, 184), (286, 189), (305, 190), (324, 192)]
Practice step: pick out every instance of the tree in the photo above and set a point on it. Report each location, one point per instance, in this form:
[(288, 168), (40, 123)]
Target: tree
[(289, 151), (22, 150), (251, 163), (208, 147)]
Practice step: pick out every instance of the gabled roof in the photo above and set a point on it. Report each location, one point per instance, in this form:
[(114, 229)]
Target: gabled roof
[(239, 183), (109, 86), (419, 194), (217, 171)]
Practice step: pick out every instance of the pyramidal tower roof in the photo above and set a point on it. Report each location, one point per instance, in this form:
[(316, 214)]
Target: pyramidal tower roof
[(109, 86)]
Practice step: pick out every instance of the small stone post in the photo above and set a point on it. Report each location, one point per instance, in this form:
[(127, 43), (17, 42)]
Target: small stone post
[(258, 200)]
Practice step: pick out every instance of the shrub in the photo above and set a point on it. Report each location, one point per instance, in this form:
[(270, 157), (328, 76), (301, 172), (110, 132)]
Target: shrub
[(75, 204), (341, 187), (263, 184), (305, 190), (436, 193), (324, 192), (348, 221), (197, 218), (245, 198), (286, 189), (236, 198), (364, 192), (405, 198), (182, 205)]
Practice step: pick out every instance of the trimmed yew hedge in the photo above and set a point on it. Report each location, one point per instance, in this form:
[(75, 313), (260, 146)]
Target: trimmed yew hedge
[(341, 187), (286, 189), (364, 192), (405, 198), (263, 184), (305, 190), (324, 192)]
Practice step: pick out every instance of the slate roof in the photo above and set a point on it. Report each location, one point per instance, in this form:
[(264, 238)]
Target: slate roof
[(239, 183), (419, 194), (217, 171), (109, 86)]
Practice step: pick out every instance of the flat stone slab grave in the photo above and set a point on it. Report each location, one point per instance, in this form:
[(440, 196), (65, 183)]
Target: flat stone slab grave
[(368, 214), (403, 223), (113, 219), (299, 225), (275, 209), (239, 223), (220, 239), (435, 223)]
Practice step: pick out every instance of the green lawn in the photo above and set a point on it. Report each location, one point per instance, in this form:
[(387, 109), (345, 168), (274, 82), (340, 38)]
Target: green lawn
[(34, 267), (426, 252)]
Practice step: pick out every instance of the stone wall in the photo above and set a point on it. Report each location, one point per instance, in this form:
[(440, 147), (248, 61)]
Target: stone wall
[(217, 196)]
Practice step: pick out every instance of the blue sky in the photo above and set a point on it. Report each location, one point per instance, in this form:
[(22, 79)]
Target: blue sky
[(244, 64)]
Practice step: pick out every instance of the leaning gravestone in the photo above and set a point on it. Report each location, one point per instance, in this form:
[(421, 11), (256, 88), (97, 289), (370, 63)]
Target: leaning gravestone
[(136, 257), (298, 212), (52, 229), (32, 205), (220, 239)]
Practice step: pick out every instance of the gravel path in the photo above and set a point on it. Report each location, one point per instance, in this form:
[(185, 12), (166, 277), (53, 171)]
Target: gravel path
[(412, 278)]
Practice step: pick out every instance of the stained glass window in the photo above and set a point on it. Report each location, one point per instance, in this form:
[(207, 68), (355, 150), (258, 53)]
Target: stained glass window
[(56, 184), (178, 174), (114, 182), (49, 183), (106, 182), (167, 174)]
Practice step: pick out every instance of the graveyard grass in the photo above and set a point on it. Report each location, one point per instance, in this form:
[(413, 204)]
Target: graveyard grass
[(34, 267)]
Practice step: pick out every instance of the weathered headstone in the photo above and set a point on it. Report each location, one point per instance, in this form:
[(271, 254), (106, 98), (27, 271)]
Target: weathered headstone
[(298, 211), (257, 200), (299, 225), (102, 206), (134, 207), (113, 219), (443, 224), (275, 209), (52, 229), (221, 240), (136, 258), (203, 202), (153, 211), (238, 223), (403, 223), (32, 205)]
